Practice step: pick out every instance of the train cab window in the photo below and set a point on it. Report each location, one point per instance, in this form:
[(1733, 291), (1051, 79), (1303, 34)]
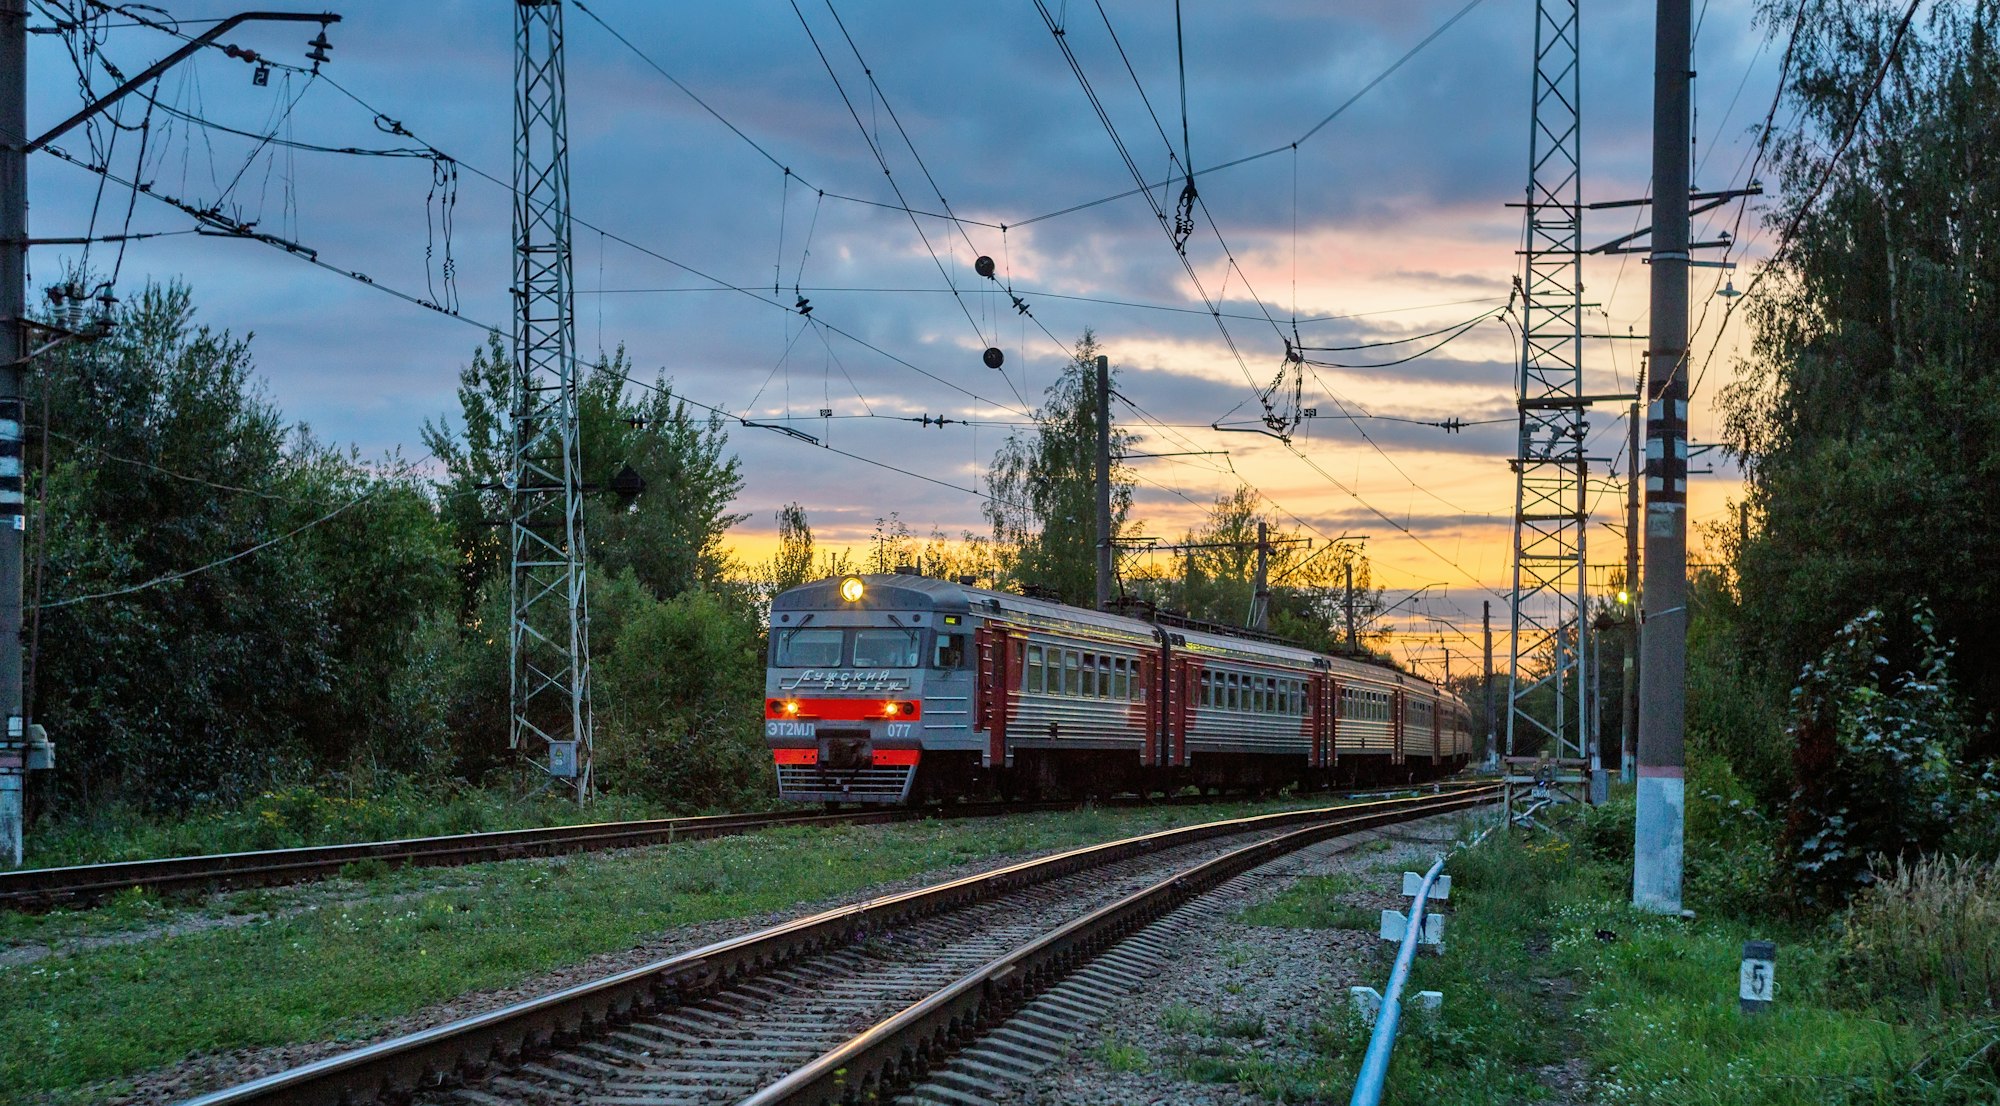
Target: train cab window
[(879, 647), (1031, 671), (950, 651), (816, 647)]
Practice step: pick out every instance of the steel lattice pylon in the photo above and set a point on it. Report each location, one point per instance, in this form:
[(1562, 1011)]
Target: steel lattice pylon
[(548, 638), (1549, 465)]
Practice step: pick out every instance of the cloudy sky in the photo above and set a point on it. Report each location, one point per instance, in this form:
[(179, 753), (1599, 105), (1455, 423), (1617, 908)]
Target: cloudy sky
[(1387, 222)]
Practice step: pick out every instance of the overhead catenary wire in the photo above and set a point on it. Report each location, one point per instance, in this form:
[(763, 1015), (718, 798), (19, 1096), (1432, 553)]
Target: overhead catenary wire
[(1146, 188), (723, 285)]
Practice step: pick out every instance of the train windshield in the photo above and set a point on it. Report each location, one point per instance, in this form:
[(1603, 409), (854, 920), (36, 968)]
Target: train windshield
[(814, 648), (827, 647), (885, 648)]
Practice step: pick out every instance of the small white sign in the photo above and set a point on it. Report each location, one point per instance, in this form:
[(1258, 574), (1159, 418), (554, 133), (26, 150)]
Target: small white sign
[(1754, 984), (1756, 980)]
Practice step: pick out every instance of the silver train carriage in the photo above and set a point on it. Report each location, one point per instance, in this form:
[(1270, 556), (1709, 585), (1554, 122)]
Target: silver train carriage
[(901, 688)]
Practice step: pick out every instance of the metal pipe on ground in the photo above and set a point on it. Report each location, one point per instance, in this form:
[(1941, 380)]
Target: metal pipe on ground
[(1375, 1062)]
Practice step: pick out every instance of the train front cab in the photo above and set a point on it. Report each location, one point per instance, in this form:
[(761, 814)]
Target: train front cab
[(870, 677)]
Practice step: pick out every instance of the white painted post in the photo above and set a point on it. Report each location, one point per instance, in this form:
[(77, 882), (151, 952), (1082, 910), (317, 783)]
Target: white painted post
[(1756, 980)]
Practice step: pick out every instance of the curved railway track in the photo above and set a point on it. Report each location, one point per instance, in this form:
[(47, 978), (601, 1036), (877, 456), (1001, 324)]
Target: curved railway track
[(852, 1004), (38, 889)]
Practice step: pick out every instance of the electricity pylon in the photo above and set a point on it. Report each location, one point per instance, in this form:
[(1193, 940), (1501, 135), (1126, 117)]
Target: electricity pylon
[(548, 637), (1550, 470)]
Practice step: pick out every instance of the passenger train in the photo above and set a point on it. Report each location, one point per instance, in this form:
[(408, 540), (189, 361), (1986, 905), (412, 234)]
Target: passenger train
[(902, 688)]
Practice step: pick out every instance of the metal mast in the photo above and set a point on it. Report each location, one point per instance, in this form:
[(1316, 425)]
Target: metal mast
[(1549, 467), (548, 638)]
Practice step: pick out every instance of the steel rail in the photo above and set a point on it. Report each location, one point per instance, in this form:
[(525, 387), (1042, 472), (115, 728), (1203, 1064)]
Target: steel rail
[(40, 889), (502, 1037), (884, 1059)]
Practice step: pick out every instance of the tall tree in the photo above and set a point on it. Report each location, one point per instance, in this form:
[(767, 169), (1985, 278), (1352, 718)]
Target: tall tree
[(793, 563), (224, 601), (1867, 413), (1043, 485), (670, 534)]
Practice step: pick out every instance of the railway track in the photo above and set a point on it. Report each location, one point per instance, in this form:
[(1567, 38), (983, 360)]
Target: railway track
[(46, 888), (40, 889), (852, 1004)]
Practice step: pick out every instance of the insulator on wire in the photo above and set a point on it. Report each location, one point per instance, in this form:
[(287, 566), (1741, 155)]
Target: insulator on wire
[(984, 266), (993, 357)]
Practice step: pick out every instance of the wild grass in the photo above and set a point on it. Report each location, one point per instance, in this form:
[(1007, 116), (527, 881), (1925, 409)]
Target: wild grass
[(1928, 934), (1316, 902), (1118, 1054), (291, 817)]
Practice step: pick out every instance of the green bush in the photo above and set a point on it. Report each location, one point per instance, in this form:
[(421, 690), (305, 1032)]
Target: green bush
[(1880, 756), (684, 696), (1605, 831), (1730, 861)]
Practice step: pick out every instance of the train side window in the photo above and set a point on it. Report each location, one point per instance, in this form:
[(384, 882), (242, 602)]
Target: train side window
[(1090, 676), (950, 651), (1072, 673), (1207, 692), (1031, 680), (1235, 691), (1121, 678)]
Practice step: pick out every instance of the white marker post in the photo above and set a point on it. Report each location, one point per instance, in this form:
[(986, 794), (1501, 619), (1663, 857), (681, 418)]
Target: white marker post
[(1756, 982)]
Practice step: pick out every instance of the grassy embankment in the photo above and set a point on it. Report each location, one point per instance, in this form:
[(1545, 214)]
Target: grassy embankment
[(1556, 990), (292, 817), (347, 957)]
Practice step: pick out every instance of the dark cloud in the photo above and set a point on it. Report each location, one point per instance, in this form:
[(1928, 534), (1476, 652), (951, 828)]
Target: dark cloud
[(1398, 202)]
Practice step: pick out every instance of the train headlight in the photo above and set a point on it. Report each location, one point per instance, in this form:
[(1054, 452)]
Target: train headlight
[(851, 589), (791, 706)]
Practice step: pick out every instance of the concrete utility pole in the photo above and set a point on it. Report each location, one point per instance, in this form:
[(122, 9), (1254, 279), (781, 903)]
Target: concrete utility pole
[(13, 349), (1351, 646), (1492, 729), (1260, 593), (1628, 707), (1105, 570), (1658, 834)]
